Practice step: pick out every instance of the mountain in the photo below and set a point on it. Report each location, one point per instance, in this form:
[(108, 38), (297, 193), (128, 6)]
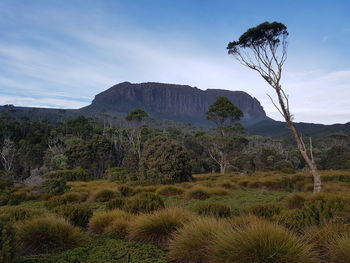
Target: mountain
[(180, 103), (170, 101)]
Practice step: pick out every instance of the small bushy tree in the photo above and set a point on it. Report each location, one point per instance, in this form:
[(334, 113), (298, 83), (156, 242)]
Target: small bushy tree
[(166, 158)]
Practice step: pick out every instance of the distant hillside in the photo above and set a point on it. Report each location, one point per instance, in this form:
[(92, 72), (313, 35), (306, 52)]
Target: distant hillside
[(170, 101), (180, 103)]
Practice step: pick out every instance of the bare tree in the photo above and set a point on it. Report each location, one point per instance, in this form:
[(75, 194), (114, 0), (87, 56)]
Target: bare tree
[(8, 152), (264, 49)]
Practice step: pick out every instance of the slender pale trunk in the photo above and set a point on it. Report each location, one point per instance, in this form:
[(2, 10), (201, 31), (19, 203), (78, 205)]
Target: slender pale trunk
[(301, 147)]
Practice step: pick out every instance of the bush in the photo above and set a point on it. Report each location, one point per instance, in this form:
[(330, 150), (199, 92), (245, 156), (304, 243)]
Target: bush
[(260, 242), (143, 203), (104, 195), (264, 210), (46, 235), (120, 174), (77, 174), (116, 203), (76, 214), (213, 209), (169, 190), (157, 228), (125, 190), (167, 160), (190, 244), (55, 186), (103, 219), (8, 246), (199, 193)]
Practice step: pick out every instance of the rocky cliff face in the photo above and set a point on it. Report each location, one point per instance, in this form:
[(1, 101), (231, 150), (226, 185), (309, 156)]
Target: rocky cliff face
[(169, 101)]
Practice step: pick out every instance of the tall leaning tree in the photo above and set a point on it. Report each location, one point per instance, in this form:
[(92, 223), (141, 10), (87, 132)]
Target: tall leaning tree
[(264, 49)]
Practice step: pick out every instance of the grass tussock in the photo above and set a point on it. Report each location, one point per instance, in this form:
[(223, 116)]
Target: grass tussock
[(48, 234), (103, 219), (191, 243), (260, 242), (170, 190), (158, 227)]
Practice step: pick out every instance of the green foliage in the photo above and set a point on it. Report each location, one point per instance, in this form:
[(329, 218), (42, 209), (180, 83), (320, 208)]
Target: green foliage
[(213, 209), (76, 214), (120, 174), (55, 186), (77, 174), (143, 203), (64, 199), (125, 190), (222, 112), (100, 249), (165, 161), (8, 245), (136, 115), (48, 234), (338, 157)]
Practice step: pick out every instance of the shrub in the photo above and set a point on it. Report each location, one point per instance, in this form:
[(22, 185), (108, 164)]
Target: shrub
[(8, 246), (157, 228), (55, 186), (103, 219), (199, 193), (166, 159), (213, 209), (169, 190), (288, 170), (190, 244), (76, 214), (125, 190), (14, 214), (143, 203), (104, 195), (116, 203), (77, 174), (45, 235), (264, 210), (120, 174), (260, 242)]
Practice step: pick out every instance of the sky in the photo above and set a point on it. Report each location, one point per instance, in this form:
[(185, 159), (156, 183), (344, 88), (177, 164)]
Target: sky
[(62, 53)]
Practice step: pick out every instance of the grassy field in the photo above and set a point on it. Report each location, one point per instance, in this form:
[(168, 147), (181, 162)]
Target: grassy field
[(267, 217)]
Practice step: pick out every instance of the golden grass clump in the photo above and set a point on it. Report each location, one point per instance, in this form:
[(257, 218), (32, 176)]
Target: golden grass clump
[(170, 190), (260, 242), (158, 227), (47, 235), (103, 219), (19, 213), (104, 195), (191, 243), (198, 192)]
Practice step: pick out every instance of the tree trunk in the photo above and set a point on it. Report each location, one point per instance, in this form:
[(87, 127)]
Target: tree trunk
[(222, 168), (312, 166), (310, 163)]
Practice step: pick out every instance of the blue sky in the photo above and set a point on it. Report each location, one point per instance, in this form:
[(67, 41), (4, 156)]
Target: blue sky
[(62, 53)]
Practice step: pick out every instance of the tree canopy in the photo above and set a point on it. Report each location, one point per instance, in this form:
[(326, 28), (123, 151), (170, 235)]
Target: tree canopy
[(223, 112), (136, 115)]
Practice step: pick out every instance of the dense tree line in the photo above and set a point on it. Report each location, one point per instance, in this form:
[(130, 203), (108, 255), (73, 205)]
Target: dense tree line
[(30, 148)]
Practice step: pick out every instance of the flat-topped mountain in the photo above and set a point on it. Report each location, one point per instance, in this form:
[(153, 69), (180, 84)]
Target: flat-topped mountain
[(170, 101)]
